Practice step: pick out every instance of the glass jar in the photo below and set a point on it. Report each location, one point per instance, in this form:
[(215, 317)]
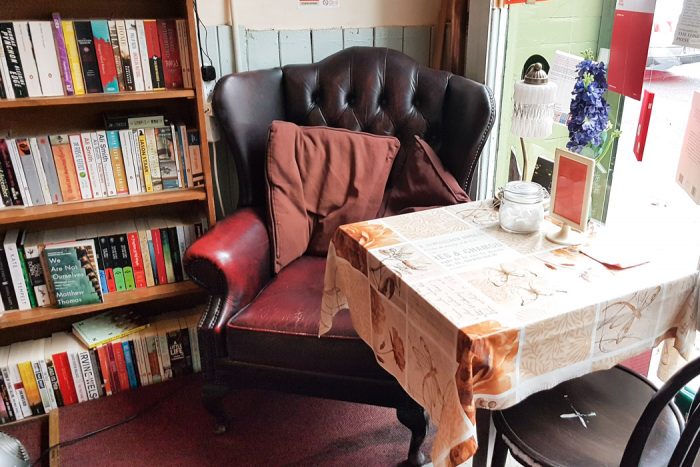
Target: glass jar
[(522, 207)]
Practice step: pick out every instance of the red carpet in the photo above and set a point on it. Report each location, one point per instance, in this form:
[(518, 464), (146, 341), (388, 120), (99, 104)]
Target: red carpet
[(267, 428)]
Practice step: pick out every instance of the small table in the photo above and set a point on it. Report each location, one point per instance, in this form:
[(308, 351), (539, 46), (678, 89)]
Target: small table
[(467, 316)]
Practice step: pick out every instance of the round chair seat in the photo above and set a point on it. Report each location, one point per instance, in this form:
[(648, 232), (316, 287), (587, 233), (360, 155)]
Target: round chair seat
[(587, 422)]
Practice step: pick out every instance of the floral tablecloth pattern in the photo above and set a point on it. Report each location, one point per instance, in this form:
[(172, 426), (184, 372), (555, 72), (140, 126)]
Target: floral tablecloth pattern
[(465, 315)]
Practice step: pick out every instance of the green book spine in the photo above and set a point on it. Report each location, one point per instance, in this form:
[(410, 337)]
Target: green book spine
[(117, 270), (125, 259), (167, 255), (27, 279)]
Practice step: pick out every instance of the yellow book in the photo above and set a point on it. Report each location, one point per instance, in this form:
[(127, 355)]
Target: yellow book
[(143, 150), (26, 372), (76, 71)]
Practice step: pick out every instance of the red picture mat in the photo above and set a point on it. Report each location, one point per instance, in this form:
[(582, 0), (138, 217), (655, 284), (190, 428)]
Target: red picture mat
[(572, 181)]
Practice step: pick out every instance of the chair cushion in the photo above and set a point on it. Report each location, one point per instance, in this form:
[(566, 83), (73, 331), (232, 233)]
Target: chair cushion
[(422, 183), (319, 178), (617, 396), (280, 328)]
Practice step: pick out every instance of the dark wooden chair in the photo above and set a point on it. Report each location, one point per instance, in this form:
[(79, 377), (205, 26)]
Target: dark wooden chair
[(607, 418)]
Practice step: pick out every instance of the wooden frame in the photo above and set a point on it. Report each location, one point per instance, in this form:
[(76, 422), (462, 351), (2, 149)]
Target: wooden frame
[(571, 201)]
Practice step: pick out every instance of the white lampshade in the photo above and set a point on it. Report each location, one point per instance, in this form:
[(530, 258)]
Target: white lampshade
[(533, 105)]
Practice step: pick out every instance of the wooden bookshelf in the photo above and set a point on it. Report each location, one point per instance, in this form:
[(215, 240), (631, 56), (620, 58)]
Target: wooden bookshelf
[(12, 319), (97, 98)]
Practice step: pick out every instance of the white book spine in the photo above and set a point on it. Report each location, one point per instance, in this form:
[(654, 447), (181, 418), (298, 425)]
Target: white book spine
[(180, 229), (140, 362), (163, 358), (182, 131), (14, 401), (80, 166), (125, 143), (146, 360), (153, 162), (5, 74), (77, 372), (106, 160), (91, 162), (46, 58), (19, 172), (132, 39), (136, 160), (44, 183), (41, 385), (26, 55), (15, 265), (88, 375), (143, 53), (97, 156), (176, 153), (16, 381), (47, 380), (194, 345)]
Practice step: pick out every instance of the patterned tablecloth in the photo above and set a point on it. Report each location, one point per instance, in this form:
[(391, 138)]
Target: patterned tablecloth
[(465, 315)]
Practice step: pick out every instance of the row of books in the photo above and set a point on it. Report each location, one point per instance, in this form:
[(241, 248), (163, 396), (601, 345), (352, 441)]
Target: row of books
[(61, 57), (75, 266), (134, 155), (41, 375)]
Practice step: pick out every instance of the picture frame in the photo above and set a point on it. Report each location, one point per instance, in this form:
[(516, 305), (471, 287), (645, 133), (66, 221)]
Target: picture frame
[(572, 183)]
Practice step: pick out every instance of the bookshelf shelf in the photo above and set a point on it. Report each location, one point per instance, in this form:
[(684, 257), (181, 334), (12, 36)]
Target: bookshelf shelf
[(30, 102), (15, 319), (20, 215)]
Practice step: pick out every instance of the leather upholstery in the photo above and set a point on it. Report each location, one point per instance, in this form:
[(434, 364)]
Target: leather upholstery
[(375, 90), (280, 328)]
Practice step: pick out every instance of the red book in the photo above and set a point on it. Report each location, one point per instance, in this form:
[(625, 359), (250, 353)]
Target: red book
[(155, 55), (160, 259), (121, 365), (167, 35), (113, 370), (65, 378), (136, 259), (105, 55), (640, 140), (104, 368)]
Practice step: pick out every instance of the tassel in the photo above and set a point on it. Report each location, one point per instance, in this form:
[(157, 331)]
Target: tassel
[(533, 109)]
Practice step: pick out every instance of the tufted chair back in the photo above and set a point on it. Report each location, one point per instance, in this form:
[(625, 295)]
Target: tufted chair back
[(375, 90)]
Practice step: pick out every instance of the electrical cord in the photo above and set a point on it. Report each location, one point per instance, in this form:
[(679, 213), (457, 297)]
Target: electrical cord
[(124, 421), (202, 51)]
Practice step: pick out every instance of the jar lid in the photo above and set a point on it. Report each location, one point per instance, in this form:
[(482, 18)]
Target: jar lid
[(523, 192)]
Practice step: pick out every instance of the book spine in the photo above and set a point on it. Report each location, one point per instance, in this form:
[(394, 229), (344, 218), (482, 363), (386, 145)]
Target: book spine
[(171, 136), (65, 168), (31, 390), (101, 266), (94, 164), (152, 256), (88, 375), (145, 162), (105, 56), (155, 57), (5, 198), (42, 384), (136, 260), (15, 265), (117, 269), (160, 260), (194, 343), (103, 359), (53, 379), (129, 360), (46, 58), (139, 351), (41, 172), (152, 351), (14, 189), (175, 253), (62, 54), (32, 255), (167, 159), (9, 408), (14, 62), (20, 392), (73, 57), (120, 360), (99, 381), (125, 260), (65, 378), (26, 55), (167, 255), (50, 396), (153, 162), (183, 44), (77, 373), (88, 57), (25, 274), (125, 55), (81, 167), (136, 160), (143, 54), (195, 157), (176, 352), (114, 42), (5, 74), (117, 160), (132, 39), (125, 142), (184, 154), (7, 290), (100, 142), (164, 353), (31, 175), (12, 394), (113, 369), (167, 35), (19, 172), (146, 257), (182, 247), (106, 255)]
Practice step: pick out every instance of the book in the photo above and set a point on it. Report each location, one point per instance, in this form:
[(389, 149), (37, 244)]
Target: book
[(97, 370), (19, 172), (7, 87), (70, 349), (41, 372), (13, 60), (128, 156), (41, 172), (117, 159), (14, 191), (26, 55), (125, 56), (7, 290), (124, 260), (76, 71), (167, 158), (130, 362), (184, 155), (153, 163), (17, 269), (195, 157), (11, 392), (135, 53), (88, 373), (167, 35), (109, 326), (61, 364), (183, 44), (62, 54), (117, 264), (141, 229), (73, 273), (45, 49), (65, 167), (105, 55), (155, 56), (94, 167), (114, 42), (159, 256), (16, 356), (120, 360), (8, 411), (52, 372), (103, 360), (5, 199), (32, 255), (99, 144), (145, 160), (143, 55), (81, 167), (136, 256), (88, 57), (31, 175)]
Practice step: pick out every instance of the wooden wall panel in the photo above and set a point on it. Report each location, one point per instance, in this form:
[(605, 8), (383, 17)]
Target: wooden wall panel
[(391, 37), (325, 42), (416, 43), (263, 49), (295, 46), (363, 37), (225, 36)]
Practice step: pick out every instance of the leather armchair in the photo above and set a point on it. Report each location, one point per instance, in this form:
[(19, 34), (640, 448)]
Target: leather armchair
[(262, 330)]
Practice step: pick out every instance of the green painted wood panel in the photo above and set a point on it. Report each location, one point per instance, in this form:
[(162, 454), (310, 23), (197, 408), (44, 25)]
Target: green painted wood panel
[(391, 37), (325, 42), (362, 37), (295, 47)]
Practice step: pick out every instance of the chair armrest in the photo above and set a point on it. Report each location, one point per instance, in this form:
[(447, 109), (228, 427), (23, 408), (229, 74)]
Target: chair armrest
[(232, 262)]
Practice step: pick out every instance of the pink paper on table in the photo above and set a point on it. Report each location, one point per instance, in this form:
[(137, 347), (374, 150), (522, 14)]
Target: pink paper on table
[(688, 174)]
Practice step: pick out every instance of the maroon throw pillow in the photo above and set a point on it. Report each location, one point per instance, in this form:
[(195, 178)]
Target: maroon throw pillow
[(423, 183), (319, 178)]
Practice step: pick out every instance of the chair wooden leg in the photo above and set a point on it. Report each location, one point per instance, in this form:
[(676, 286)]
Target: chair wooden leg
[(415, 418), (500, 452), (212, 398)]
